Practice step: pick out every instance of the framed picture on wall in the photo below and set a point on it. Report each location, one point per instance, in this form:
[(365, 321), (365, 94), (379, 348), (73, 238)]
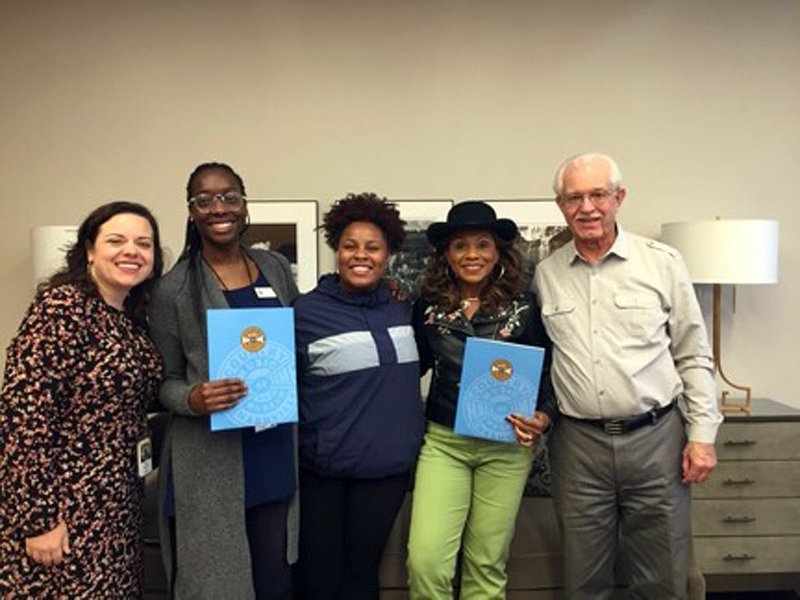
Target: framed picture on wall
[(406, 266), (288, 227), (541, 226)]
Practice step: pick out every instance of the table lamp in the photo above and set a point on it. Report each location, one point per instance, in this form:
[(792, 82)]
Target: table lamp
[(726, 252), (49, 245)]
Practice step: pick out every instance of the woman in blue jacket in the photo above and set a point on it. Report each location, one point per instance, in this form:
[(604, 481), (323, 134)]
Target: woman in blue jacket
[(361, 418)]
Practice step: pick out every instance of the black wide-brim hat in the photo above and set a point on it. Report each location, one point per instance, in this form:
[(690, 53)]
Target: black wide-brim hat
[(472, 214)]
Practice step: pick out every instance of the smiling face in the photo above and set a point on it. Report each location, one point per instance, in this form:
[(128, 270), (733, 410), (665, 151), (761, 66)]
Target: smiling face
[(362, 256), (589, 204), (220, 225), (472, 254), (121, 256)]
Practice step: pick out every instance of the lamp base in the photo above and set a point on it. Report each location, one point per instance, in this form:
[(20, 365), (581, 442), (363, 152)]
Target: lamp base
[(727, 406), (736, 406)]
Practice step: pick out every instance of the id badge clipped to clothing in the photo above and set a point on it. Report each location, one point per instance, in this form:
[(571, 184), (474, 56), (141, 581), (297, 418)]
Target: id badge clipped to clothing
[(144, 456), (263, 292)]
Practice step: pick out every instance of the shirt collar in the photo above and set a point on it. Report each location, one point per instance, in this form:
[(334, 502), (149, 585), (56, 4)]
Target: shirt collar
[(620, 248)]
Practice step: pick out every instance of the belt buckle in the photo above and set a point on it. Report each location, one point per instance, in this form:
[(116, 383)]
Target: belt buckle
[(613, 427)]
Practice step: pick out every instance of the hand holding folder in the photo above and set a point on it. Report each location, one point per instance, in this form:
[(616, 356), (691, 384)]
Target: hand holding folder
[(255, 345), (498, 379)]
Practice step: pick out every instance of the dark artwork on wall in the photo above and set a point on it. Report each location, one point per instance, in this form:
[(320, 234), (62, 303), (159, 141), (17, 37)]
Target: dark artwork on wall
[(407, 265), (541, 226), (289, 228)]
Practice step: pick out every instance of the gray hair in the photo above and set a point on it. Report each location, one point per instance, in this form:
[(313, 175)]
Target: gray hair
[(615, 176)]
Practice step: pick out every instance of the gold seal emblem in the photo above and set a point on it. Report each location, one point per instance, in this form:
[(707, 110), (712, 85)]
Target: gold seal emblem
[(501, 369), (253, 339)]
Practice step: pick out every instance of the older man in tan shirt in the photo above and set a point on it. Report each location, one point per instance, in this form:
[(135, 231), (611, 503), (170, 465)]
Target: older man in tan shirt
[(633, 375)]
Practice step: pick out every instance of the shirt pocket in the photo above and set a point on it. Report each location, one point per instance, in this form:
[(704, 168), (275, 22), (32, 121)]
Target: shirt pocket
[(640, 315), (558, 318)]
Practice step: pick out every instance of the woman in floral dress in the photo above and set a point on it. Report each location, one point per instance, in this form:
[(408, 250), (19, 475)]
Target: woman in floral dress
[(78, 376)]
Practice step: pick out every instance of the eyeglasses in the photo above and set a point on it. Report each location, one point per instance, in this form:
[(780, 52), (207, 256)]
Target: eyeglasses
[(204, 202), (596, 197)]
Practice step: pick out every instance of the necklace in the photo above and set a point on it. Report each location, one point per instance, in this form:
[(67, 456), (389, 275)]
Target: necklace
[(221, 281), (470, 304)]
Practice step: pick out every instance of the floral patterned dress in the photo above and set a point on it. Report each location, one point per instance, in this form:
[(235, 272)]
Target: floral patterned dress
[(78, 376)]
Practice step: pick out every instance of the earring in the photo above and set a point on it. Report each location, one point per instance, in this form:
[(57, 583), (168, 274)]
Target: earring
[(502, 271)]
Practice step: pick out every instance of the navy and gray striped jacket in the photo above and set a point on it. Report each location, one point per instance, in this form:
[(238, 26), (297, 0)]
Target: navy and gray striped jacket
[(358, 382)]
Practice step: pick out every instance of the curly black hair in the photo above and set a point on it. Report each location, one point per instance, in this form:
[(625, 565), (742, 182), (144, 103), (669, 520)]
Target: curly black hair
[(508, 280), (364, 207)]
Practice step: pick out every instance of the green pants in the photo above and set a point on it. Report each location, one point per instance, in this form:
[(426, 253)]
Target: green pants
[(466, 495)]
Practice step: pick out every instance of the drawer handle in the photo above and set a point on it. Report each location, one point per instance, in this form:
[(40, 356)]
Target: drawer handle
[(739, 443), (742, 519), (745, 481), (738, 557)]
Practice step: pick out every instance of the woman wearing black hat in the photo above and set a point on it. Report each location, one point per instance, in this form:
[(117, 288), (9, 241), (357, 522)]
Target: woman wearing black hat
[(468, 490)]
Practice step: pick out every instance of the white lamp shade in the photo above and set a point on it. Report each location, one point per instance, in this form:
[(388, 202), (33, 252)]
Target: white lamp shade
[(731, 251), (49, 245)]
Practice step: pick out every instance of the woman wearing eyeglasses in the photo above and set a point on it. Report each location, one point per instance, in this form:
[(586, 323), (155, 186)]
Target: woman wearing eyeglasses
[(228, 496)]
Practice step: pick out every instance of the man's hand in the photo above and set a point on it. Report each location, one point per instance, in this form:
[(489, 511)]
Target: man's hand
[(49, 548), (698, 462)]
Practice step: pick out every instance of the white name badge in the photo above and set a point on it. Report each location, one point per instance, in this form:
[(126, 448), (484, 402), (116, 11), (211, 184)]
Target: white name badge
[(264, 292), (144, 456)]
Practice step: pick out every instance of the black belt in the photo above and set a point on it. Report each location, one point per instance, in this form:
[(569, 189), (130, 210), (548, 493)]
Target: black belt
[(620, 426)]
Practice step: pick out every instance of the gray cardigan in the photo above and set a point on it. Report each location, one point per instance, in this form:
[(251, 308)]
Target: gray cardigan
[(207, 469)]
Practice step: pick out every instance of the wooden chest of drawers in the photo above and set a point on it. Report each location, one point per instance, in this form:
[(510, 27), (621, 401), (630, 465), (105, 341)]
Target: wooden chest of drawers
[(747, 517)]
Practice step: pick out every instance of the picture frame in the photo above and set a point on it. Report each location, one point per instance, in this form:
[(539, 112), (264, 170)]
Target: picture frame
[(542, 228), (288, 227), (406, 265)]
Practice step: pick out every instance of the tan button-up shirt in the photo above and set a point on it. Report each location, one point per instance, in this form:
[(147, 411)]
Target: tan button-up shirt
[(628, 334)]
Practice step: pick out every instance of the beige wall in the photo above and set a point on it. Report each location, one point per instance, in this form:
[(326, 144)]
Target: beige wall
[(699, 102)]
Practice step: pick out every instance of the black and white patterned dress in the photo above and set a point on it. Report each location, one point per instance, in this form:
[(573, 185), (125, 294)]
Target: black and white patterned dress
[(78, 376)]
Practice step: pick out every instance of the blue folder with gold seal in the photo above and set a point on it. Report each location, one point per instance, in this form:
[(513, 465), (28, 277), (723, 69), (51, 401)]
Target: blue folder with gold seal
[(497, 379), (256, 345)]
